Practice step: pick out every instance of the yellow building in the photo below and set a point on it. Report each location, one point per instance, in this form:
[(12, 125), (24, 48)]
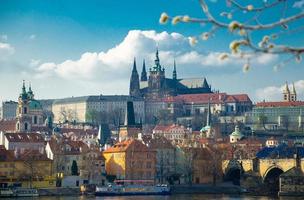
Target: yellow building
[(130, 159), (29, 169)]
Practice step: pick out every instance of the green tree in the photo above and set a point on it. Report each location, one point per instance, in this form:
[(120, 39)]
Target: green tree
[(74, 168)]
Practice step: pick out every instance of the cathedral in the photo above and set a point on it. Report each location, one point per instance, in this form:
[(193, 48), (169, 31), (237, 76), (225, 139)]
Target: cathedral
[(158, 86)]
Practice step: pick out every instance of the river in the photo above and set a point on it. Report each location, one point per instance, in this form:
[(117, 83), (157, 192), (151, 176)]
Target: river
[(172, 197)]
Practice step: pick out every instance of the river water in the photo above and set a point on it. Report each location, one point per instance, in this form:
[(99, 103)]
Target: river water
[(171, 197)]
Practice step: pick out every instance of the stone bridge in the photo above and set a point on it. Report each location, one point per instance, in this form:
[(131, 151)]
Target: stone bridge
[(263, 167)]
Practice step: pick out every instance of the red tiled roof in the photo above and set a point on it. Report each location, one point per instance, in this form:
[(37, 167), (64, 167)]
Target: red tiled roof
[(57, 146), (24, 137), (79, 131), (214, 98), (280, 104), (8, 125), (166, 128), (157, 142)]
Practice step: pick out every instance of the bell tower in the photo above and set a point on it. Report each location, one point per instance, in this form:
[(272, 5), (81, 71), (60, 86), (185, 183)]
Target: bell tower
[(293, 93), (286, 92), (156, 83)]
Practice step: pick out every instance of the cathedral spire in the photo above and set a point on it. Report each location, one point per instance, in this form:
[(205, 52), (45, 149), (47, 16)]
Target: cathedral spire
[(174, 76), (134, 89), (157, 66), (143, 72), (134, 66)]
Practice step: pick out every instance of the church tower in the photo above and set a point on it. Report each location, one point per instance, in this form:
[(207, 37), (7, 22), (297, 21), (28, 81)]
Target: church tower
[(293, 93), (23, 119), (143, 72), (134, 89), (156, 83), (286, 93)]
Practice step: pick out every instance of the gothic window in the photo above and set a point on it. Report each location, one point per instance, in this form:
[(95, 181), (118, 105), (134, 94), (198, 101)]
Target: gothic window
[(25, 126)]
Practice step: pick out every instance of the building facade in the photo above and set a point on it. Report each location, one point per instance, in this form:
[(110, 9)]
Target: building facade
[(81, 109), (131, 160), (8, 110), (279, 115)]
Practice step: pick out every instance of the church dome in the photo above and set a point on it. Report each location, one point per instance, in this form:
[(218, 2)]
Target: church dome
[(236, 135), (34, 104)]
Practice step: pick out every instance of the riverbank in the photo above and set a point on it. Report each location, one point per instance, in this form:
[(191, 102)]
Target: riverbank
[(59, 191), (206, 189)]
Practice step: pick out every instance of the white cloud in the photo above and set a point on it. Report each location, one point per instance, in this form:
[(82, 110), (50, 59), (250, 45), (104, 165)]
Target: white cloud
[(6, 50), (274, 93), (117, 61)]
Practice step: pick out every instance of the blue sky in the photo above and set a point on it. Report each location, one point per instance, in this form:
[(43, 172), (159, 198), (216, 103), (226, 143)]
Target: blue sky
[(73, 48)]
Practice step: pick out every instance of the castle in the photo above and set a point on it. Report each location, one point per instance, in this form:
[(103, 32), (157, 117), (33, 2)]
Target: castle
[(158, 86)]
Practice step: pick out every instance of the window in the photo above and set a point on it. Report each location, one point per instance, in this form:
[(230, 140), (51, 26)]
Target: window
[(25, 126), (148, 165), (25, 110), (35, 119)]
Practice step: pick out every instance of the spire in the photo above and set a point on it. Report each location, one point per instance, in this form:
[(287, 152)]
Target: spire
[(30, 92), (286, 88), (134, 66), (134, 89), (23, 87), (143, 72), (205, 84), (157, 66), (174, 76), (129, 115), (23, 94), (293, 91)]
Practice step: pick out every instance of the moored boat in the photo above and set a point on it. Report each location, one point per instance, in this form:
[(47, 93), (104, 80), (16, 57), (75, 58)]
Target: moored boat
[(120, 190), (6, 192), (132, 187), (26, 192)]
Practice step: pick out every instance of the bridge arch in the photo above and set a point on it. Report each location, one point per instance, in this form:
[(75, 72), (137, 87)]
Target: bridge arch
[(234, 172), (271, 178)]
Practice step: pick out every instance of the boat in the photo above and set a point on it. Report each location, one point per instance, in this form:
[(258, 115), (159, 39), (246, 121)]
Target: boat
[(26, 192), (132, 189), (6, 192), (18, 192)]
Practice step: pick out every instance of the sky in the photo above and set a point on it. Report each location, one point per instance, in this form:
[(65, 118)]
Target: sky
[(87, 47)]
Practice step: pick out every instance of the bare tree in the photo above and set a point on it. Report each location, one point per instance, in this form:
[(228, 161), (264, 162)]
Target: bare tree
[(252, 22)]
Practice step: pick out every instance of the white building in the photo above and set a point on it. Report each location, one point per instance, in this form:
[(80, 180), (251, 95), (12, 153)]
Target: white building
[(8, 110), (79, 108)]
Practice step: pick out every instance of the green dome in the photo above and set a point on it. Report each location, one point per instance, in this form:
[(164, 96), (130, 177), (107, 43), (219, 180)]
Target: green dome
[(34, 104), (237, 132)]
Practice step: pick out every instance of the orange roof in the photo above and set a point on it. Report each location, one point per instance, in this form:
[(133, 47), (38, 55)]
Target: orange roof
[(123, 146), (214, 98), (280, 104)]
